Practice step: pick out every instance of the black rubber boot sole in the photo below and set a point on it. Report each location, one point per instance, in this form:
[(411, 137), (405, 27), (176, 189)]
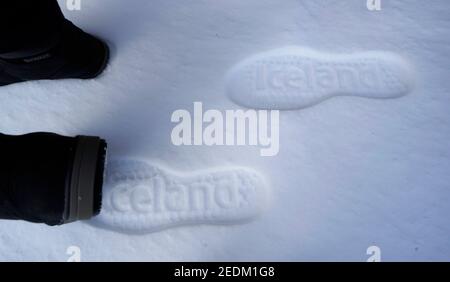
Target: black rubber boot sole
[(86, 181)]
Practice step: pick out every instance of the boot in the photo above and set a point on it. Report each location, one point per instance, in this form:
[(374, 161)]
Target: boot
[(51, 179), (71, 54)]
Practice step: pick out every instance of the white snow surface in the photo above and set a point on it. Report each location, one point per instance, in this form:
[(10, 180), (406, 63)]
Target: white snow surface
[(352, 172)]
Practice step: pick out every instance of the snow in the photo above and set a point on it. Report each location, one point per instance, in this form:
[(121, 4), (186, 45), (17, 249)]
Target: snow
[(293, 78), (351, 173), (140, 197)]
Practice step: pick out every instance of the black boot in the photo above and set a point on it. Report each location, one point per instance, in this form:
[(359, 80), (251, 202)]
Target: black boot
[(72, 53), (47, 178)]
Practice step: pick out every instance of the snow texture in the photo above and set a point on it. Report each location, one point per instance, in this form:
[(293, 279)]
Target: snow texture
[(352, 172), (141, 197), (293, 78)]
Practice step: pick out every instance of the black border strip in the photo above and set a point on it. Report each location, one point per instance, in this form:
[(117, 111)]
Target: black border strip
[(164, 271)]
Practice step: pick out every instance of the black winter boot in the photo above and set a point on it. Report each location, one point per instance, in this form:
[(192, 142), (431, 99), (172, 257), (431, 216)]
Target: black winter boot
[(72, 53), (52, 179)]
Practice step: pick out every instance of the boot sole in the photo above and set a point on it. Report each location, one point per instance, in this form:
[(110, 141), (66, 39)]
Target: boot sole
[(86, 181)]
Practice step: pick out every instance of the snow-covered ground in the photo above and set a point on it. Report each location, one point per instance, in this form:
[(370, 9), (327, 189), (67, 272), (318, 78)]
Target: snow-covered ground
[(352, 172)]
